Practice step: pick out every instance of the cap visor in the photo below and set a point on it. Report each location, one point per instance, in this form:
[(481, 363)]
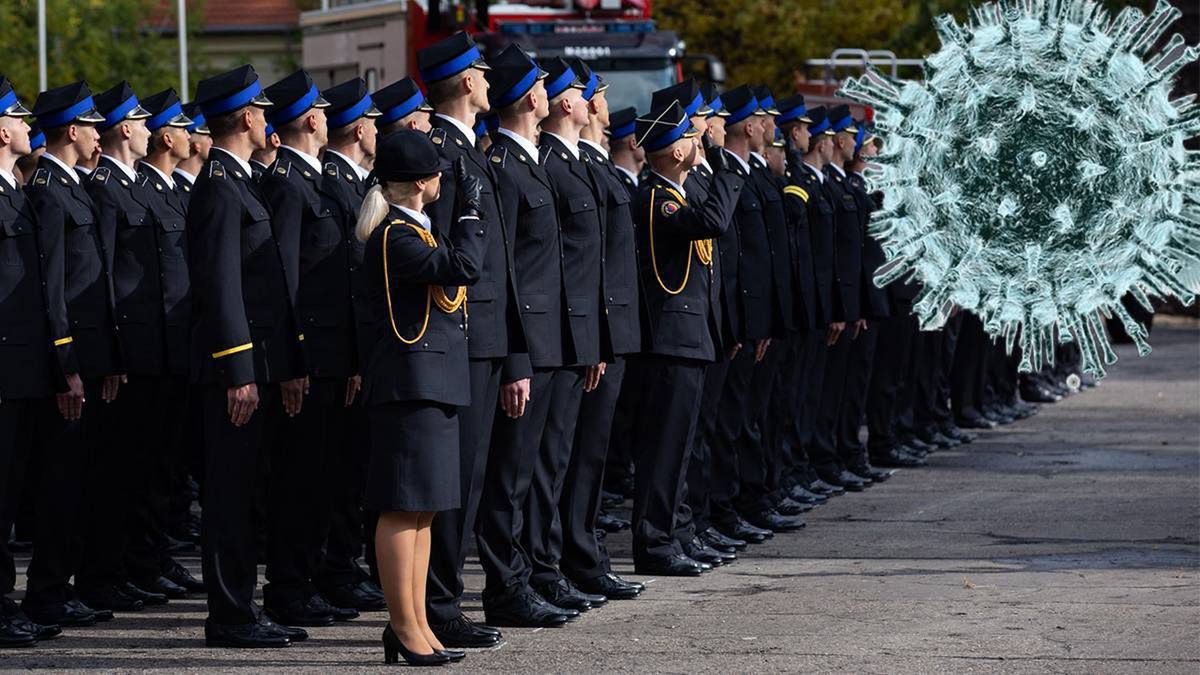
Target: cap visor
[(202, 130), (542, 74), (424, 107), (320, 102), (773, 112), (372, 112), (92, 116), (481, 64), (17, 110), (180, 121), (805, 119), (603, 86), (261, 100), (138, 113)]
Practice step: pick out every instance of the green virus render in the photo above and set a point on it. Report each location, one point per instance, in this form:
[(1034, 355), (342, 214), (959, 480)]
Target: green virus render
[(1038, 174)]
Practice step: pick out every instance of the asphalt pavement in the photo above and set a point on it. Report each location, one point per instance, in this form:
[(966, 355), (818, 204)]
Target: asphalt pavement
[(1069, 542)]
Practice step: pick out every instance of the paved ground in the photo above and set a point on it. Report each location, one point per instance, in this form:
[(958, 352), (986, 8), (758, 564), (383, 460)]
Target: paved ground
[(1068, 542)]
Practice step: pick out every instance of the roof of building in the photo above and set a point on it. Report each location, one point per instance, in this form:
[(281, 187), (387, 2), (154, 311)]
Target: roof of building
[(250, 15)]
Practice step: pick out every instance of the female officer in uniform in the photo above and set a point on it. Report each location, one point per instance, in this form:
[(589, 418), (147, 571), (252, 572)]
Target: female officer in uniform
[(417, 372)]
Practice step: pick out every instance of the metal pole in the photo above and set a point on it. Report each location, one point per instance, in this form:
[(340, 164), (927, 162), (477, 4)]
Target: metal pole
[(41, 9), (184, 92)]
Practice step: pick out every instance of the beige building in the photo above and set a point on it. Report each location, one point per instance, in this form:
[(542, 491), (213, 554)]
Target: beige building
[(264, 33), (348, 38)]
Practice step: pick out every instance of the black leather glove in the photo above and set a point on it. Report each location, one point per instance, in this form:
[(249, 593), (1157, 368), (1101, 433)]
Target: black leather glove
[(715, 155), (469, 191)]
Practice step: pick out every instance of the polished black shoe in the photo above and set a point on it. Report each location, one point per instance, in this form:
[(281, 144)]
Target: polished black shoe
[(822, 488), (311, 612), (610, 586), (244, 636), (868, 472), (12, 635), (916, 443), (897, 459), (998, 416), (951, 430), (462, 632), (562, 594), (745, 532), (178, 574), (715, 539), (770, 520), (394, 649), (112, 598), (1036, 394), (339, 613), (677, 565), (453, 654), (935, 437), (163, 586), (11, 612), (148, 597), (611, 500), (975, 421), (527, 610), (846, 480), (790, 507), (611, 523), (291, 633), (912, 452), (805, 496), (70, 613), (358, 596), (697, 550)]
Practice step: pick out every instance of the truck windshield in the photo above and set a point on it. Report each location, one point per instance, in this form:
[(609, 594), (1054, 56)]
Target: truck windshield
[(632, 81)]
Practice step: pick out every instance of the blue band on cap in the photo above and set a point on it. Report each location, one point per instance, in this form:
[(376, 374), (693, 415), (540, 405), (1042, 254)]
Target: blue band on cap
[(715, 104), (114, 116), (843, 123), (283, 115), (8, 100), (560, 84), (65, 116), (623, 130), (451, 67), (197, 122), (160, 120), (519, 89), (859, 136), (767, 103), (794, 113), (819, 127), (230, 103), (743, 112), (403, 109), (694, 105), (37, 140), (270, 129), (341, 118), (590, 90), (671, 136)]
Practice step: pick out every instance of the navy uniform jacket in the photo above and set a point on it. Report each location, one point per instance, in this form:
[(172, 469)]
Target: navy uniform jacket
[(527, 206), (795, 203), (820, 229), (243, 324), (874, 300), (626, 180), (258, 170), (581, 222), (315, 244), (183, 188), (682, 293), (754, 278), (436, 366), (623, 296), (75, 270), (144, 243), (29, 365), (725, 260), (847, 248), (495, 329), (170, 220), (784, 305), (340, 177)]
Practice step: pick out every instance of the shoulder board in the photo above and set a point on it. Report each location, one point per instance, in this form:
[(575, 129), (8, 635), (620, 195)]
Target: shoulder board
[(437, 135), (498, 154), (41, 176), (215, 169), (100, 175), (281, 167), (796, 191), (331, 169), (143, 179)]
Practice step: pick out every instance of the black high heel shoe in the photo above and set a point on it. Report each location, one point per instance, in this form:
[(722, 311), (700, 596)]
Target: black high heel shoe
[(455, 655), (393, 649)]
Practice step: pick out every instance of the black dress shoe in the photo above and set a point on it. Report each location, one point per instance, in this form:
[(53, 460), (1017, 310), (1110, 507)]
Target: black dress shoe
[(822, 488), (846, 480), (311, 612), (871, 473), (355, 596), (745, 532), (148, 598), (112, 598), (525, 610), (11, 612), (462, 632), (897, 459), (13, 635), (453, 654), (178, 574), (951, 430), (916, 443), (720, 542), (935, 437), (975, 421), (611, 500), (163, 586), (394, 649), (70, 613), (790, 507), (293, 634), (338, 613), (562, 594), (700, 552), (800, 494), (770, 520), (610, 586), (243, 636), (677, 565), (611, 523), (1035, 394)]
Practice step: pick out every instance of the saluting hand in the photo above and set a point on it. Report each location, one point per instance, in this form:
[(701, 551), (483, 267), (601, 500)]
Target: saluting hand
[(111, 387), (353, 386), (293, 392), (592, 379), (760, 349), (70, 402), (514, 396), (469, 192), (241, 402), (834, 332), (714, 154)]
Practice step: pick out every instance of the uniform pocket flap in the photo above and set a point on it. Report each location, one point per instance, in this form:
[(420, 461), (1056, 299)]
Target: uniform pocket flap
[(537, 198), (581, 204), (535, 303)]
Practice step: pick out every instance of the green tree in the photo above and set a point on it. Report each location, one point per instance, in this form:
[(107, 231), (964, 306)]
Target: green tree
[(101, 41)]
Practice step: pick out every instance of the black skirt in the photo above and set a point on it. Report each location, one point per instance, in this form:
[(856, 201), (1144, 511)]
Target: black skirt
[(414, 457)]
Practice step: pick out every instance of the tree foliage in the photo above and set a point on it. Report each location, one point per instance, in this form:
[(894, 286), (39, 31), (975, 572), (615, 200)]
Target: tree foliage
[(101, 41)]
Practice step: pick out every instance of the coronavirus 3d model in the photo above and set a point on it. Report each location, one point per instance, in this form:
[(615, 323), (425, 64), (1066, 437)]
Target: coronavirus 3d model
[(1038, 174)]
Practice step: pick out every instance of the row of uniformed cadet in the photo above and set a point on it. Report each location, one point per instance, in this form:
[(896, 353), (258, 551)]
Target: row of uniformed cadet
[(686, 293)]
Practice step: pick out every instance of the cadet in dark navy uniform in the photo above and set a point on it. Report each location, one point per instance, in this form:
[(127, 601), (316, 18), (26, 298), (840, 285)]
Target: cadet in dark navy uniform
[(583, 558), (351, 120), (518, 94), (131, 246), (75, 270), (315, 247), (675, 238), (454, 74), (245, 349), (30, 374), (418, 374), (581, 222), (625, 157), (199, 141), (402, 105)]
